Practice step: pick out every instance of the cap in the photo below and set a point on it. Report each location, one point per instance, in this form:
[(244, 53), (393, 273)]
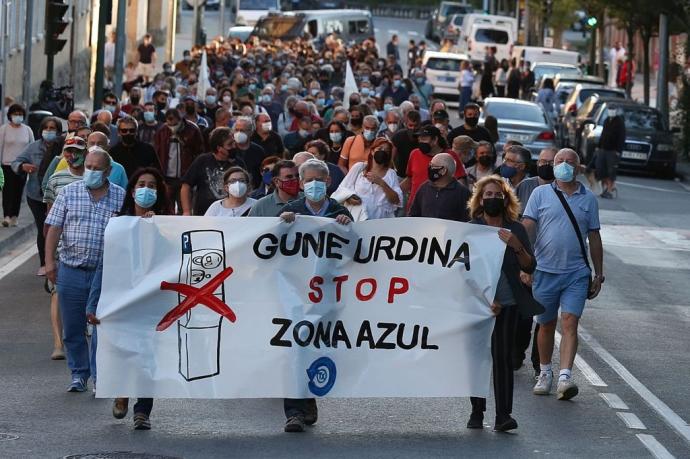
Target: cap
[(440, 115), (428, 130), (465, 142), (74, 142), (189, 97), (161, 91)]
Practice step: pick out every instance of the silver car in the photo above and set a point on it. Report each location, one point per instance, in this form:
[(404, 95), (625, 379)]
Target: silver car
[(520, 120)]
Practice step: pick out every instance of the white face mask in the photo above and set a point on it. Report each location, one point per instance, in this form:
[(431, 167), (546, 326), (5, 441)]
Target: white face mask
[(393, 127), (237, 189), (439, 126), (267, 126), (240, 137)]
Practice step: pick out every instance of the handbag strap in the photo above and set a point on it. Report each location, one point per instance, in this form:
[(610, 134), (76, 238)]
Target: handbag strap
[(576, 227)]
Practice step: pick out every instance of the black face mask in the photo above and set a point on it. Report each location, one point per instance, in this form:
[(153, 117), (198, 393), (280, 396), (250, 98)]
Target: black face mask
[(493, 207), (486, 161), (471, 121), (190, 109), (425, 147), (134, 100), (356, 122), (435, 173), (129, 139), (161, 105), (382, 157), (545, 172)]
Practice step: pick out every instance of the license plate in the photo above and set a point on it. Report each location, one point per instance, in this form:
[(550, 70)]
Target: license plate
[(633, 155), (518, 137), (448, 79)]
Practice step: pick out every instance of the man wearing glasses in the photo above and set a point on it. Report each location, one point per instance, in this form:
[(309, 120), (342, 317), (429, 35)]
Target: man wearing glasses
[(286, 182), (130, 151), (515, 165)]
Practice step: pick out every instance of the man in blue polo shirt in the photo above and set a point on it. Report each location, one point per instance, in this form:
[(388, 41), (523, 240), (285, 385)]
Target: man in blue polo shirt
[(562, 275)]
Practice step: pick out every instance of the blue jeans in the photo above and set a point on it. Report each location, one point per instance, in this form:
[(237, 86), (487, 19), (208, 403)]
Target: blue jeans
[(73, 288), (465, 96)]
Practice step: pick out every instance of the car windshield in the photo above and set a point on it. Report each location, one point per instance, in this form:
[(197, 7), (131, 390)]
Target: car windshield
[(499, 37), (513, 111), (445, 64), (458, 19), (638, 118), (551, 70), (586, 92), (259, 5), (279, 27)]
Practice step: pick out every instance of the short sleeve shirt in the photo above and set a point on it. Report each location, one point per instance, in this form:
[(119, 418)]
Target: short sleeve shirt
[(557, 249)]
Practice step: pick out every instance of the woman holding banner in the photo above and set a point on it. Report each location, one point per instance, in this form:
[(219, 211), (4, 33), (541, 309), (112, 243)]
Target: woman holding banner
[(146, 196), (494, 203)]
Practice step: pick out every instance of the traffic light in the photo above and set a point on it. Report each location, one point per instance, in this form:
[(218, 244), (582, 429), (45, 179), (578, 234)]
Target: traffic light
[(55, 26), (592, 21)]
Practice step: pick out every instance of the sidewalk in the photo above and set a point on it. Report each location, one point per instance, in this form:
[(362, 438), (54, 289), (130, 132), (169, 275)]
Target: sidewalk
[(13, 237)]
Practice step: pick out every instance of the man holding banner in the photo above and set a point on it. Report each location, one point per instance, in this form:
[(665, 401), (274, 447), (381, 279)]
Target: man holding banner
[(314, 179)]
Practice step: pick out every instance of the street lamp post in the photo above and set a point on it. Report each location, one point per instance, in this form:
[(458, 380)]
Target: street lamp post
[(662, 75)]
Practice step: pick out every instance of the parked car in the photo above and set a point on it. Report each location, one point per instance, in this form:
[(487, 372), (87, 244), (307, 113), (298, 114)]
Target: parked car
[(541, 54), (352, 26), (551, 69), (480, 31), (439, 18), (520, 120), (578, 96), (442, 71), (208, 4), (452, 30), (572, 127), (241, 32), (648, 140)]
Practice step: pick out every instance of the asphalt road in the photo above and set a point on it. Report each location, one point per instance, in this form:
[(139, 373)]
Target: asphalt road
[(636, 348)]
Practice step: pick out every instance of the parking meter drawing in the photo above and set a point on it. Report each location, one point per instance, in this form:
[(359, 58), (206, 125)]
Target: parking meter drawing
[(201, 278)]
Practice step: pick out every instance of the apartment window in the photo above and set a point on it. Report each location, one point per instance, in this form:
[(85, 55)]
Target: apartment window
[(39, 18)]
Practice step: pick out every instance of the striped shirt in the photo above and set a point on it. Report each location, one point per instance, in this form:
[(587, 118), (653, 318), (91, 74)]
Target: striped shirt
[(57, 182), (83, 223)]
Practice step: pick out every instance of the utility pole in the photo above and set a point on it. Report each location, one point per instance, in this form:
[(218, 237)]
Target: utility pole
[(3, 58), (120, 46), (600, 33), (195, 23), (662, 75), (222, 18), (28, 32), (104, 14)]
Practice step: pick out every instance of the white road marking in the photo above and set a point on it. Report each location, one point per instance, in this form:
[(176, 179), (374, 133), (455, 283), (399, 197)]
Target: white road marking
[(631, 420), (614, 401), (393, 32), (654, 447), (17, 257), (587, 371), (653, 188), (412, 33), (646, 237), (662, 409)]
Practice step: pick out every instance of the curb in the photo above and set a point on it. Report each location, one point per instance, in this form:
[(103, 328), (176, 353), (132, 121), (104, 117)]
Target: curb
[(21, 235)]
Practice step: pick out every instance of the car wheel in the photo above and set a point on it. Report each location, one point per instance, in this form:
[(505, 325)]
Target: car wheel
[(669, 173)]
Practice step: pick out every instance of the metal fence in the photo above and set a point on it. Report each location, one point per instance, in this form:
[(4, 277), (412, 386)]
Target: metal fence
[(394, 11)]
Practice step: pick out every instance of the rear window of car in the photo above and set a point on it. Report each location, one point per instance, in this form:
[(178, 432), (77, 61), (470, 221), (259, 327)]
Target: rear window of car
[(447, 10), (500, 37), (642, 119), (530, 113), (448, 65), (585, 93)]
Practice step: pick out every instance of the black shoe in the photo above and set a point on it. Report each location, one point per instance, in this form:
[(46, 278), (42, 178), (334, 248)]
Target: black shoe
[(141, 421), (294, 424), (311, 415), (476, 420), (505, 424)]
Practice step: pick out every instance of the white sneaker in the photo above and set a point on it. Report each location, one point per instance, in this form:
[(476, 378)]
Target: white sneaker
[(567, 389), (6, 222), (13, 221), (544, 382)]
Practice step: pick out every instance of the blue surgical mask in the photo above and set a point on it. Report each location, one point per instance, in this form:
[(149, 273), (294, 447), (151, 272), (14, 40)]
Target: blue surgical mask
[(149, 117), (145, 197), (397, 83), (267, 178), (321, 101), (365, 91), (508, 171), (336, 137), (17, 119), (315, 190), (110, 108), (49, 136), (564, 172), (210, 100), (93, 179), (252, 87), (369, 135), (387, 107)]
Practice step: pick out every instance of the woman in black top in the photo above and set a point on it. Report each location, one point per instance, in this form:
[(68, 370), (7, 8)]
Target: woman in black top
[(494, 203)]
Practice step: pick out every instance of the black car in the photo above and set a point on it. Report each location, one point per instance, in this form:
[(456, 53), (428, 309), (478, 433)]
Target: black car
[(572, 127), (648, 140)]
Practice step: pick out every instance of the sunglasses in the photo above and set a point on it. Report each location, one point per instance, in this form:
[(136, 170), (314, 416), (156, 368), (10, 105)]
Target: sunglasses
[(110, 102), (128, 131)]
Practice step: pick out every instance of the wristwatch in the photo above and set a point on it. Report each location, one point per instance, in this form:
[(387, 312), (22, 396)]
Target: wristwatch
[(601, 278)]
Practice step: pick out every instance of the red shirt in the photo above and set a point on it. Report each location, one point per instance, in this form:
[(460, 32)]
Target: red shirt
[(418, 170)]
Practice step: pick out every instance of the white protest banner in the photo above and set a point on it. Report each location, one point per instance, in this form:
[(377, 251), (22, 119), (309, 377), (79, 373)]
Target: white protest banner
[(204, 307)]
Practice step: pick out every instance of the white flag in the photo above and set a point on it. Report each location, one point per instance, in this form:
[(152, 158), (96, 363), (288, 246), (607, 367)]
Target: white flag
[(350, 85), (203, 83)]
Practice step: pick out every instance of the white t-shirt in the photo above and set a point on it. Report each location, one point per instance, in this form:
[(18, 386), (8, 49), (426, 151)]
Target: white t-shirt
[(13, 141), (218, 210)]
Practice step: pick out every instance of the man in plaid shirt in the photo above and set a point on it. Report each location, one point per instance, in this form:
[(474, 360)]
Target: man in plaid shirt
[(78, 220)]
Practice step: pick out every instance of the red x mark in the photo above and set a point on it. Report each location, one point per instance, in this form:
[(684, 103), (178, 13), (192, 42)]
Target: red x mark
[(195, 296)]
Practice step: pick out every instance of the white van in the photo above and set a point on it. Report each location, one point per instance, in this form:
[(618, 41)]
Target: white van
[(442, 71), (251, 10), (352, 26), (538, 54), (481, 30)]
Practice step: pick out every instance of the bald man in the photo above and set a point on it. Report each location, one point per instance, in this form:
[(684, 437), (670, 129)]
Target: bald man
[(563, 276), (302, 157), (442, 196)]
